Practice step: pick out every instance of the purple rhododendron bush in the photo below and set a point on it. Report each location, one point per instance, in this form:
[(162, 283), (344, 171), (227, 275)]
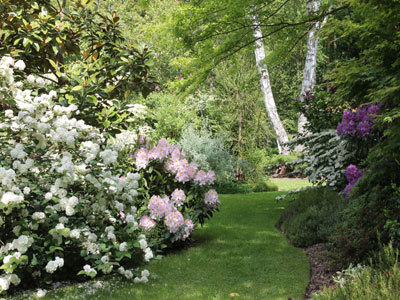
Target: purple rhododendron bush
[(74, 203)]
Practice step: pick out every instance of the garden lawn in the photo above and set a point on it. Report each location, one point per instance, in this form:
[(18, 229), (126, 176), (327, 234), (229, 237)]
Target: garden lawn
[(288, 184), (238, 251)]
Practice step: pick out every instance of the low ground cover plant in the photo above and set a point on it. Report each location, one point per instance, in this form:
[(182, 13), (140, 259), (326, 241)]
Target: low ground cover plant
[(73, 202), (378, 280)]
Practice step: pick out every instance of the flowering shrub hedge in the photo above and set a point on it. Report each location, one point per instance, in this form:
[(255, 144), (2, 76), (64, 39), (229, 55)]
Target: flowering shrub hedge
[(72, 202)]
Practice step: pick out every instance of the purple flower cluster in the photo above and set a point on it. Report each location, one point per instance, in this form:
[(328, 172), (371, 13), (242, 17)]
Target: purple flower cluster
[(353, 175), (358, 122)]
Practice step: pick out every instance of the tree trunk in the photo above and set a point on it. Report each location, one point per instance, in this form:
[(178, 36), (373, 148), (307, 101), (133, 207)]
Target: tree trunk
[(239, 171), (310, 66), (281, 136)]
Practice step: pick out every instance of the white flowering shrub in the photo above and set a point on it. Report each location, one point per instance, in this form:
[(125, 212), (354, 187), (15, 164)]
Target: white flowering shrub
[(71, 200), (62, 192)]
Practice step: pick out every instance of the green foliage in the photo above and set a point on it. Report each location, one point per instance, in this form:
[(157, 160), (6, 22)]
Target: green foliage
[(280, 159), (275, 162), (169, 115), (208, 152), (233, 188), (311, 217), (375, 205), (82, 51), (326, 158), (263, 186), (320, 110), (368, 69), (206, 28), (381, 281)]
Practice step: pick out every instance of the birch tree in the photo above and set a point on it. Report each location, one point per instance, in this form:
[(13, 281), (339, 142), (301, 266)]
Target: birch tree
[(265, 84), (310, 66)]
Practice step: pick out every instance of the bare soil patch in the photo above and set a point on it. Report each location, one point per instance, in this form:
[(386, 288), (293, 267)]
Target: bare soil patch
[(321, 272)]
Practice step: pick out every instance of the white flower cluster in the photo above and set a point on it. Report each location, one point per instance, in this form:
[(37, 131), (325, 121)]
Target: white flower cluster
[(89, 271), (109, 156), (69, 205), (129, 275), (148, 254), (11, 198), (53, 265), (21, 244), (125, 138), (138, 110), (6, 280), (145, 274)]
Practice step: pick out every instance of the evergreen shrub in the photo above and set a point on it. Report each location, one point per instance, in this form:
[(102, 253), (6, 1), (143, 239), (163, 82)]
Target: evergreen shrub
[(311, 217)]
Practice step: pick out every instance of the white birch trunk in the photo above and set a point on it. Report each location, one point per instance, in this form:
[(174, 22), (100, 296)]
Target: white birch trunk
[(281, 136), (310, 66)]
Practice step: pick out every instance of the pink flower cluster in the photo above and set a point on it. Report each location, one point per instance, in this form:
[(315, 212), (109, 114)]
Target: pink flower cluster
[(178, 197), (161, 150), (203, 178), (142, 158), (176, 163), (158, 207), (147, 223), (211, 198), (189, 227), (174, 221), (162, 207)]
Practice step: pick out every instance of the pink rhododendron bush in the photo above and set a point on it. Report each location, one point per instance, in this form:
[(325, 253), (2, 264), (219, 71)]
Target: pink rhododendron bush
[(74, 203)]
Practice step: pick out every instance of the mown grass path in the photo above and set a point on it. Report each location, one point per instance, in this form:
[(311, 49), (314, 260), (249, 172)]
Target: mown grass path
[(238, 251)]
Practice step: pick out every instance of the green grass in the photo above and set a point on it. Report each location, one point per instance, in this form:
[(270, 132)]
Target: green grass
[(290, 184), (238, 251)]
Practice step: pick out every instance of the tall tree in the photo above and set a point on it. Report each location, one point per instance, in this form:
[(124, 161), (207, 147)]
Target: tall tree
[(310, 66), (281, 136)]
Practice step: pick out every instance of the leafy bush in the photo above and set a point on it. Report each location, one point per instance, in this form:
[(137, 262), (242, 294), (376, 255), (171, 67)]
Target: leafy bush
[(208, 152), (253, 164), (263, 186), (379, 281), (326, 157), (280, 159), (233, 188), (311, 217), (364, 219), (169, 116), (320, 109), (73, 202)]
